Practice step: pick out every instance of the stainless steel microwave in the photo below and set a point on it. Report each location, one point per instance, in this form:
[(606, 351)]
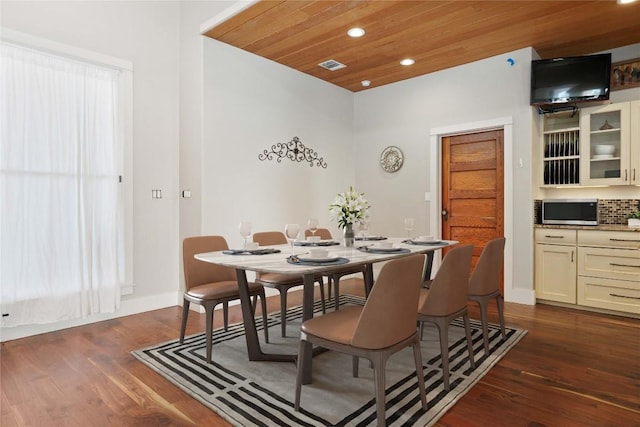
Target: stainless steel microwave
[(570, 211)]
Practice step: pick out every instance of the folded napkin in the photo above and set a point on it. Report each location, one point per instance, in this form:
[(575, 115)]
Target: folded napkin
[(418, 242), (264, 251), (297, 261), (321, 243), (371, 238)]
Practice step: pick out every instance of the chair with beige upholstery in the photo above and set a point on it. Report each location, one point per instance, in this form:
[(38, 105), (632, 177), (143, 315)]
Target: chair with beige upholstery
[(209, 285), (334, 276), (281, 282), (484, 285), (446, 300), (385, 325)]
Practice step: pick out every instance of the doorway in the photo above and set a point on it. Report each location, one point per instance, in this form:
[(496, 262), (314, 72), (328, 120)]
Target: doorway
[(434, 198), (473, 188)]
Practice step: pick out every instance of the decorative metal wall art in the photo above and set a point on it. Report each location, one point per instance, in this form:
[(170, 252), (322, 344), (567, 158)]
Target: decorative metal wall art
[(391, 159), (293, 150)]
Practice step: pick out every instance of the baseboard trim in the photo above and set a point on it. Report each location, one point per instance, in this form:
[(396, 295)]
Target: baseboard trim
[(520, 296)]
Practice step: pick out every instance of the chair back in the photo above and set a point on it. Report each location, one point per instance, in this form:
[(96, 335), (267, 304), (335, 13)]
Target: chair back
[(390, 315), (485, 279), (323, 233), (266, 238), (449, 288), (198, 272)]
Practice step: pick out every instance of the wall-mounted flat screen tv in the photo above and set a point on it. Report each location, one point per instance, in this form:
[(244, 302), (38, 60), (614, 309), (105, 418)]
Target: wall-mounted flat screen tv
[(570, 80)]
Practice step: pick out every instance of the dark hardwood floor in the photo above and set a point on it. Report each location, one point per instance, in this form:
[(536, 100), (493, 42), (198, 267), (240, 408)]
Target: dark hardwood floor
[(573, 368)]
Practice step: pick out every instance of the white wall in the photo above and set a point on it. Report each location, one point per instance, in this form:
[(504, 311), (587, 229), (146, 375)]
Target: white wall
[(192, 15), (147, 34), (404, 114), (250, 104)]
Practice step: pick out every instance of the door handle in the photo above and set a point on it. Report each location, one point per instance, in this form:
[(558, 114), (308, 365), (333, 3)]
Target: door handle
[(445, 214)]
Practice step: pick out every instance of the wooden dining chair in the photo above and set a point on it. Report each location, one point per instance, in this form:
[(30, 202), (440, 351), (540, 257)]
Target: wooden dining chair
[(446, 300), (484, 285), (385, 325), (210, 284), (334, 276), (281, 282)]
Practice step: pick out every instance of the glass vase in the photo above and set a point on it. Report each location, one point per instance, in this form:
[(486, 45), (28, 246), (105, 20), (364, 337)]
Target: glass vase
[(349, 235)]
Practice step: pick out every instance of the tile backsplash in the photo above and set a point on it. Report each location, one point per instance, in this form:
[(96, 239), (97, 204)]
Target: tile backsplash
[(610, 211), (616, 211)]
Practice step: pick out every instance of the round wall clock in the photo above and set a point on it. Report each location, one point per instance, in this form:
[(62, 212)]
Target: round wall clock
[(391, 159)]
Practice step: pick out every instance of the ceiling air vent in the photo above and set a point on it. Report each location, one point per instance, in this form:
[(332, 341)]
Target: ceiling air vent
[(331, 65)]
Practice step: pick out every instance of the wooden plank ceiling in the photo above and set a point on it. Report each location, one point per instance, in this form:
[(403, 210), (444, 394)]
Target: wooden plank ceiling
[(436, 34)]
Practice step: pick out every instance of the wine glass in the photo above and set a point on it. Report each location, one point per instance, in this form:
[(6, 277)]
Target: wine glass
[(313, 225), (291, 231), (408, 225), (363, 227), (245, 231)]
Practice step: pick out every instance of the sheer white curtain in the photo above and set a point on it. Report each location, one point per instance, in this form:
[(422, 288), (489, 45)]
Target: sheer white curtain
[(61, 208)]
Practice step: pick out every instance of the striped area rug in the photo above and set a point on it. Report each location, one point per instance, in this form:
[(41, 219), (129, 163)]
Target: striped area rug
[(261, 393)]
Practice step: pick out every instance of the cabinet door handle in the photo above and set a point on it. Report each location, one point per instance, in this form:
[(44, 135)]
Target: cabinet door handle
[(625, 175), (571, 255), (634, 174), (624, 240), (615, 264), (623, 296), (554, 237)]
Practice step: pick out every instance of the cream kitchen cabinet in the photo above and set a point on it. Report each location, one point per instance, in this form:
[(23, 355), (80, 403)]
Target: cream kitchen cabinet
[(609, 147), (555, 265), (609, 270)]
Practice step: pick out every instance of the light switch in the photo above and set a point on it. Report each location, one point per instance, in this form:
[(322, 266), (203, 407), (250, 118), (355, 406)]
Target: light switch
[(186, 194)]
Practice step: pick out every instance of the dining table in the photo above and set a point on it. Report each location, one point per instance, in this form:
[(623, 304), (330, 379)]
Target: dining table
[(289, 259)]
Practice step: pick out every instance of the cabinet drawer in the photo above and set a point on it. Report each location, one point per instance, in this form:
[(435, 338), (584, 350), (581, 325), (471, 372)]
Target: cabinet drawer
[(611, 239), (555, 236), (609, 294), (620, 264)]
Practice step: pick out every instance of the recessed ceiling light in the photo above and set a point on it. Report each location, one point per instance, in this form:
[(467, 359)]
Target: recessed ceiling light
[(407, 61), (625, 1), (355, 32), (365, 83)]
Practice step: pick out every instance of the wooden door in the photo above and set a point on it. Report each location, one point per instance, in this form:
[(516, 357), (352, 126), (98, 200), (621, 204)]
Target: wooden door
[(473, 189)]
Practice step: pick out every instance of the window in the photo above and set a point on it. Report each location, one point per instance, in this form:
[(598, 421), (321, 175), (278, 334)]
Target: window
[(65, 220)]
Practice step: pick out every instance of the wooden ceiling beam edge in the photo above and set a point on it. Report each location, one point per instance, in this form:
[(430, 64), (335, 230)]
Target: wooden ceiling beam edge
[(227, 20)]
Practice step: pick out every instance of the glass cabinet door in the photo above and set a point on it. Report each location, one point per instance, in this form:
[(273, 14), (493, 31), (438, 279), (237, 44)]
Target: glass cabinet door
[(605, 145)]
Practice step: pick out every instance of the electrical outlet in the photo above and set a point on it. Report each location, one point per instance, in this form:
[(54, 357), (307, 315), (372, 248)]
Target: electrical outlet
[(156, 194), (186, 194)]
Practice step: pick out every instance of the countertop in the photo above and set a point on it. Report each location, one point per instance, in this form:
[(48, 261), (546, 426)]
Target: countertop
[(601, 227)]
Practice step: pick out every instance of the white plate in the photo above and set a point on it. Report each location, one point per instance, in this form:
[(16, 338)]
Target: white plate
[(322, 259), (602, 156)]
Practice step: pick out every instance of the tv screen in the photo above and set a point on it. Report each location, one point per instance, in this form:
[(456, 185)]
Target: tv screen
[(573, 79)]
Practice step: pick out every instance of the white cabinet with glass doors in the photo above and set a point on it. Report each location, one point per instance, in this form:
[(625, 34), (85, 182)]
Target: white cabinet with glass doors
[(609, 149)]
